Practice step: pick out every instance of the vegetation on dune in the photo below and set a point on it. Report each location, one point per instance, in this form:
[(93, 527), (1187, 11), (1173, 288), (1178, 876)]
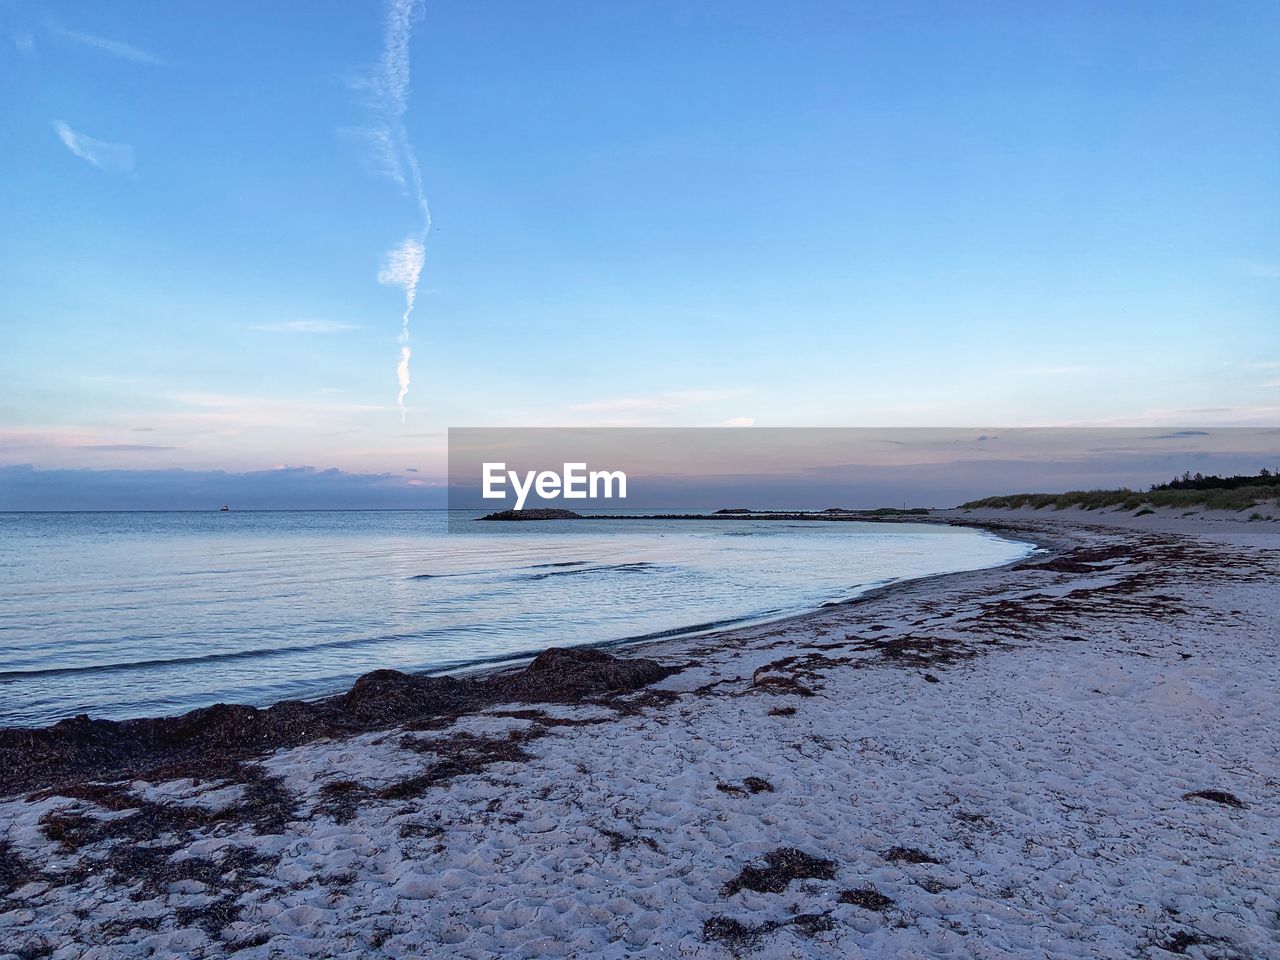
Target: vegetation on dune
[(1198, 481), (1190, 490)]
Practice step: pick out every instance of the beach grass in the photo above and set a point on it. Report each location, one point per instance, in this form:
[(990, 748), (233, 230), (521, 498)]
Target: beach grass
[(1238, 499)]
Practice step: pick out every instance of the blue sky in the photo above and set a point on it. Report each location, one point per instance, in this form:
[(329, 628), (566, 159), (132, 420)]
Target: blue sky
[(657, 213)]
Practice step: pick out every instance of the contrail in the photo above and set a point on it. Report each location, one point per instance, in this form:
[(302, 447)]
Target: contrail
[(402, 268), (403, 264)]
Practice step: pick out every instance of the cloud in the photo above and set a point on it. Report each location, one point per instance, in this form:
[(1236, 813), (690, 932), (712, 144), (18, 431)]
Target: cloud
[(402, 268), (1254, 415), (307, 326), (388, 89), (245, 412), (393, 77), (128, 447), (73, 442), (739, 422), (25, 44), (117, 48), (112, 157), (655, 402), (1062, 371), (23, 487), (381, 155)]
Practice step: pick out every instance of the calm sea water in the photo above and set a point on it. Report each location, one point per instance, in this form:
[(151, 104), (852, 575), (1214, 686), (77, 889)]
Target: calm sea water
[(134, 614)]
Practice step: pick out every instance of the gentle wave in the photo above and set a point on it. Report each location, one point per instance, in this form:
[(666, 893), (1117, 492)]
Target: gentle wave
[(229, 655), (260, 607), (608, 568)]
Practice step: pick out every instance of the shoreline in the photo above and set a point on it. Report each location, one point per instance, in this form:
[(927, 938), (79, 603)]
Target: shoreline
[(220, 735), (995, 760), (689, 633), (481, 669), (236, 719)]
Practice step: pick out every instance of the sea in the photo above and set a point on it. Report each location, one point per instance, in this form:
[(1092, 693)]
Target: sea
[(131, 614)]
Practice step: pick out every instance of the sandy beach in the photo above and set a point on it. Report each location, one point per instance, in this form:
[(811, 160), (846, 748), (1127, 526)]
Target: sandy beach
[(718, 481), (1074, 756)]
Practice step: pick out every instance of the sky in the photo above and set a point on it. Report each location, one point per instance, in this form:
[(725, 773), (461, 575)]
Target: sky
[(641, 214)]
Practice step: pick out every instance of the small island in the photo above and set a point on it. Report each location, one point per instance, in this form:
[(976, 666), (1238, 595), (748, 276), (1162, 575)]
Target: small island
[(539, 513)]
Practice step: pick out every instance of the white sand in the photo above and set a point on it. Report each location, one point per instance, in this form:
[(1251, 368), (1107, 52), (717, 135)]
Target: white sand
[(1046, 773)]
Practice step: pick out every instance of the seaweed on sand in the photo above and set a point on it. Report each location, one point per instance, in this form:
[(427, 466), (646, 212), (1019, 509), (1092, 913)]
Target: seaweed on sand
[(781, 867), (78, 749)]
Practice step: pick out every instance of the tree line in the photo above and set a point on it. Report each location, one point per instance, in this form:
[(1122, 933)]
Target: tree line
[(1199, 481)]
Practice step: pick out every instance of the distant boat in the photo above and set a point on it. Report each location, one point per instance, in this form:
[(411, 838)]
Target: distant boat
[(225, 509)]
